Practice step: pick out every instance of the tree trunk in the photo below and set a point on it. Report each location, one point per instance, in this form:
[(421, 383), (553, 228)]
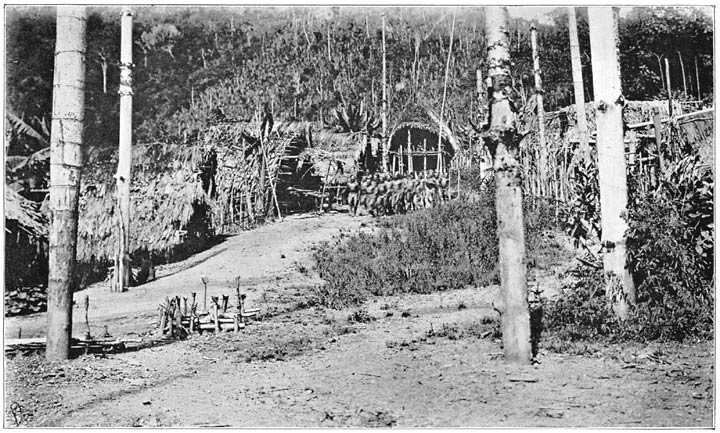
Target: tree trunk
[(542, 169), (582, 128), (611, 156), (503, 141), (384, 101), (124, 173), (65, 169)]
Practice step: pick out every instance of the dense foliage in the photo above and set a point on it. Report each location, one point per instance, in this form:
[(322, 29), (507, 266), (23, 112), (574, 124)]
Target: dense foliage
[(305, 63)]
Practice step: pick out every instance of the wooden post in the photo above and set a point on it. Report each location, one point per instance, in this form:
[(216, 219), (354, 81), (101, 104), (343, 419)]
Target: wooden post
[(612, 175), (66, 149), (384, 100), (502, 136), (582, 128), (205, 280), (401, 165), (658, 139), (124, 171), (409, 154), (424, 157), (542, 164), (216, 317), (669, 88)]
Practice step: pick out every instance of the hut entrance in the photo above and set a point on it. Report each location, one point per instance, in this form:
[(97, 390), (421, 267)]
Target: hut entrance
[(414, 149)]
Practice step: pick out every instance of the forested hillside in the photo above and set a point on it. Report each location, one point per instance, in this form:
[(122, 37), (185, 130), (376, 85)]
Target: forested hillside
[(305, 62)]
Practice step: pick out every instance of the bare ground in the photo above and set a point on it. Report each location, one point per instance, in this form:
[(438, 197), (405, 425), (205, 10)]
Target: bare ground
[(416, 360)]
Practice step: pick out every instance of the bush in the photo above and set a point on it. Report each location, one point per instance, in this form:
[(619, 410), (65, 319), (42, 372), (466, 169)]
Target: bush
[(447, 247), (582, 311), (670, 253)]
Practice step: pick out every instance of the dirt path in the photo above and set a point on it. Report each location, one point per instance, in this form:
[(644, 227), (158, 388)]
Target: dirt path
[(409, 361), (270, 256)]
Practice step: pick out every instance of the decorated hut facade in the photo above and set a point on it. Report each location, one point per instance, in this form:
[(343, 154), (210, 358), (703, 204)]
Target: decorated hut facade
[(415, 147)]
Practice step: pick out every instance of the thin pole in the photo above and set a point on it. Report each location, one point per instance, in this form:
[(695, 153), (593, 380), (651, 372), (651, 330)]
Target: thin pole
[(123, 176), (409, 154), (682, 68), (384, 98), (424, 156), (542, 169), (669, 88), (697, 79), (582, 128), (442, 105)]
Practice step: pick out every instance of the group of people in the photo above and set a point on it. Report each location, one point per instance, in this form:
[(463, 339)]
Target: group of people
[(386, 194)]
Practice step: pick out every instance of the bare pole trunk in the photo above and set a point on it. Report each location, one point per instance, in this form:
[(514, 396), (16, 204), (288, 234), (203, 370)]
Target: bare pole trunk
[(440, 165), (503, 141), (697, 79), (542, 168), (669, 87), (66, 159), (611, 157), (124, 174), (682, 68), (384, 101), (582, 127)]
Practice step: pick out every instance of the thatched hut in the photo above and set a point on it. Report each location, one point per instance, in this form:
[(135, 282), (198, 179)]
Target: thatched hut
[(169, 215), (414, 148)]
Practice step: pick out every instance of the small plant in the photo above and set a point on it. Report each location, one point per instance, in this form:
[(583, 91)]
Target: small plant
[(449, 331), (461, 305), (360, 316)]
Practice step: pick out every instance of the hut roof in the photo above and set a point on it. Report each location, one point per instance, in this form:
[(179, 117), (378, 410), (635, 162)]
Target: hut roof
[(448, 140), (26, 214)]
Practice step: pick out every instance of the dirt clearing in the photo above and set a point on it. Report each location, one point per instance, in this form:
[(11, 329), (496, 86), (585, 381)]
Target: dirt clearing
[(399, 361)]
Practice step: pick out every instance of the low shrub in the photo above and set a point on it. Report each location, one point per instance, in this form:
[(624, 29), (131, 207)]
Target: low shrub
[(447, 247)]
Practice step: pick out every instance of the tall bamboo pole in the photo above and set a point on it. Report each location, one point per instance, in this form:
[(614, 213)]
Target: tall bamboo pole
[(697, 79), (611, 156), (542, 166), (682, 68), (440, 164), (669, 87), (384, 100), (66, 149), (124, 176), (582, 128), (504, 142)]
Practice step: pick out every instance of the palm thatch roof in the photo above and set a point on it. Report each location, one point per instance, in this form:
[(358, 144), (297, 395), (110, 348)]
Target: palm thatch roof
[(25, 214)]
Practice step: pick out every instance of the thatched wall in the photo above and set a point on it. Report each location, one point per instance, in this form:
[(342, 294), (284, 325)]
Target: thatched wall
[(168, 205)]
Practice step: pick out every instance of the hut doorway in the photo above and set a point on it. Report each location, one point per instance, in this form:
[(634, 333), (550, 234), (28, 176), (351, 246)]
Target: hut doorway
[(414, 149)]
